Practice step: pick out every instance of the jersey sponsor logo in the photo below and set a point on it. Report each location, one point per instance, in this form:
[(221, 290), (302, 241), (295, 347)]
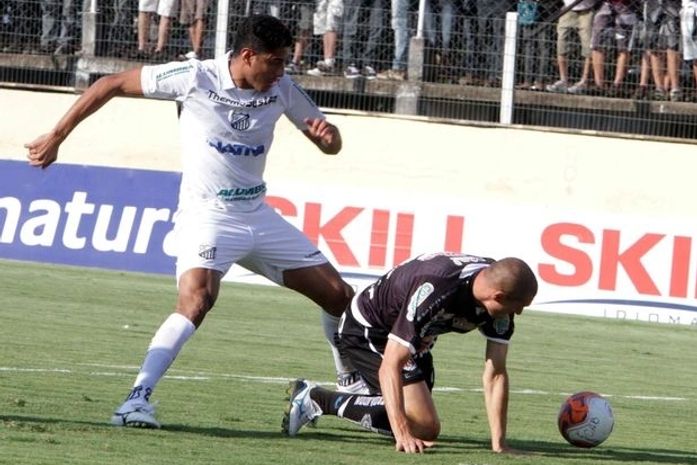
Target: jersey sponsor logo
[(172, 72), (242, 193), (418, 298), (207, 252), (250, 103), (237, 149), (238, 120)]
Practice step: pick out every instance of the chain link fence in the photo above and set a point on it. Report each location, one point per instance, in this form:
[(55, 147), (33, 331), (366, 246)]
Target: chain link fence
[(609, 66)]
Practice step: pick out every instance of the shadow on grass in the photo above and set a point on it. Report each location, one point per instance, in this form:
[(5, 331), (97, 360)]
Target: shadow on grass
[(446, 445), (606, 453)]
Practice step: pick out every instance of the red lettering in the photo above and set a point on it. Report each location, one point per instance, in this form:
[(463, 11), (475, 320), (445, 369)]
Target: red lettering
[(403, 237), (682, 247), (331, 231), (630, 260), (454, 228), (378, 238), (552, 244)]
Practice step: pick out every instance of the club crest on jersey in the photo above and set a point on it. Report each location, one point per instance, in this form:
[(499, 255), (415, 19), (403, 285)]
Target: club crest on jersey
[(207, 252), (238, 120)]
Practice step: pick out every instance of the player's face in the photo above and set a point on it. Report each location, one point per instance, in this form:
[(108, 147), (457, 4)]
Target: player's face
[(501, 307), (266, 68)]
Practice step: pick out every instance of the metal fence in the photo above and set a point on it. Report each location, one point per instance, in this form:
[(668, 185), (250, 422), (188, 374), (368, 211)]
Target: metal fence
[(483, 60)]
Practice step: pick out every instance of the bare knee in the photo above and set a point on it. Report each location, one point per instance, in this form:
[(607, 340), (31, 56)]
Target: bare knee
[(339, 299), (427, 431)]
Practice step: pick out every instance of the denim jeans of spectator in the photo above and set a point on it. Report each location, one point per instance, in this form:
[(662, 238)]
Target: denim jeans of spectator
[(120, 34), (364, 53), (446, 10), (400, 26), (60, 21), (491, 25)]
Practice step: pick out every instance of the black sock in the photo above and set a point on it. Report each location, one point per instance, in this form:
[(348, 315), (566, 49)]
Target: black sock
[(367, 411)]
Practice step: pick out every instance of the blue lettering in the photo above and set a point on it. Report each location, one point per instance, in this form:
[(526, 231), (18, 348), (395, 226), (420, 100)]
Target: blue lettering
[(237, 149)]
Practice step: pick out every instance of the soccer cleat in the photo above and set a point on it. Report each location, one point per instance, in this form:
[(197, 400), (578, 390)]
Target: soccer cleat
[(136, 413), (301, 409), (351, 383)]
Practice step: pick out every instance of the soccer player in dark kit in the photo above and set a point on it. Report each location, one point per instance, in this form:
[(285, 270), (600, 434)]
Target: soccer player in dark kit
[(388, 332)]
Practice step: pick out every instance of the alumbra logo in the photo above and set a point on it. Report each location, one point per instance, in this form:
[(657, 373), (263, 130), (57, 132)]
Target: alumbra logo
[(52, 224)]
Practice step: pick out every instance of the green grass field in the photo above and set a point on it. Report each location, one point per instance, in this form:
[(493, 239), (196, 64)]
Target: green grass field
[(72, 340)]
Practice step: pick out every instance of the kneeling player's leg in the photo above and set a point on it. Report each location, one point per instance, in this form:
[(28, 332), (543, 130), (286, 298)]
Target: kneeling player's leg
[(421, 411)]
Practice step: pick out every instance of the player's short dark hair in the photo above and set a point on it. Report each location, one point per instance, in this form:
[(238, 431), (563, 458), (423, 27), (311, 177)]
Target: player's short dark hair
[(514, 277), (261, 33)]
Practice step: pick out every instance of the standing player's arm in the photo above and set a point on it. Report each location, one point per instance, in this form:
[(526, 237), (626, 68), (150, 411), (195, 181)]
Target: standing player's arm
[(495, 381), (324, 135), (390, 374), (44, 149)]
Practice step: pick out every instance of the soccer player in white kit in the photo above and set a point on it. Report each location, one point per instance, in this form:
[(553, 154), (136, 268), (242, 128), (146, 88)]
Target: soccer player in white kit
[(230, 106)]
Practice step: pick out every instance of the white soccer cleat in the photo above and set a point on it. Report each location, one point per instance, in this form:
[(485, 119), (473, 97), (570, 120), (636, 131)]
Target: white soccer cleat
[(135, 414), (301, 409), (351, 383)]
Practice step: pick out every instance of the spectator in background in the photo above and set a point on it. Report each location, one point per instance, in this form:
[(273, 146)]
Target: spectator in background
[(59, 26), (536, 39), (193, 15), (438, 26), (467, 50), (21, 23), (363, 63), (302, 11), (615, 18), (578, 21), (146, 10), (327, 23), (119, 37), (400, 26), (491, 24), (662, 41), (688, 27)]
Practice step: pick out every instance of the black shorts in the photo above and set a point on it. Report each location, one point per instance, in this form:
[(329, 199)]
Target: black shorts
[(365, 346)]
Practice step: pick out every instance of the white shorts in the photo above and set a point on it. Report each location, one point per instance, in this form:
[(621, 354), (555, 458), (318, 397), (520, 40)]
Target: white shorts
[(328, 16), (162, 7), (260, 241)]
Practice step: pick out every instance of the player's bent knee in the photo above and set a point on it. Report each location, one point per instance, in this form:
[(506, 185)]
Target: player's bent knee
[(195, 304), (427, 431)]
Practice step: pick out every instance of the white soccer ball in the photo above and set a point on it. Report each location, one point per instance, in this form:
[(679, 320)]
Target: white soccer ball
[(585, 419)]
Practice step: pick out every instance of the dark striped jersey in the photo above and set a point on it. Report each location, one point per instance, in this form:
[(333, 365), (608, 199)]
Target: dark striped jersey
[(427, 296)]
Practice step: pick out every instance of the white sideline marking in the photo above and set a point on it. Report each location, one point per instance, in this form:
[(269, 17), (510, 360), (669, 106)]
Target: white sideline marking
[(202, 376)]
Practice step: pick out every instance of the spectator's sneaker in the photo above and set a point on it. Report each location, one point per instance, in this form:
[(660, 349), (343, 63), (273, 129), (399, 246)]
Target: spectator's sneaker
[(301, 409), (560, 87), (136, 413), (292, 68), (323, 68), (369, 72), (351, 383), (579, 88), (659, 94), (393, 75), (676, 95), (351, 72), (187, 56)]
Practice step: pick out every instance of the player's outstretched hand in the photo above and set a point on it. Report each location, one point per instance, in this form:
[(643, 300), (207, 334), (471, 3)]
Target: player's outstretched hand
[(43, 150), (412, 445)]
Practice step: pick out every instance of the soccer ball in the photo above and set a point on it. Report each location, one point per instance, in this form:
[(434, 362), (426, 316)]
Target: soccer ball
[(585, 419)]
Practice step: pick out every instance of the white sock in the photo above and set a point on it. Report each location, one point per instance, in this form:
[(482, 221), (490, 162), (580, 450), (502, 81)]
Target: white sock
[(163, 349), (330, 325)]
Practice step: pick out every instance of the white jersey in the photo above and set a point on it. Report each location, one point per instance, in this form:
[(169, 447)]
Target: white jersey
[(226, 132)]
